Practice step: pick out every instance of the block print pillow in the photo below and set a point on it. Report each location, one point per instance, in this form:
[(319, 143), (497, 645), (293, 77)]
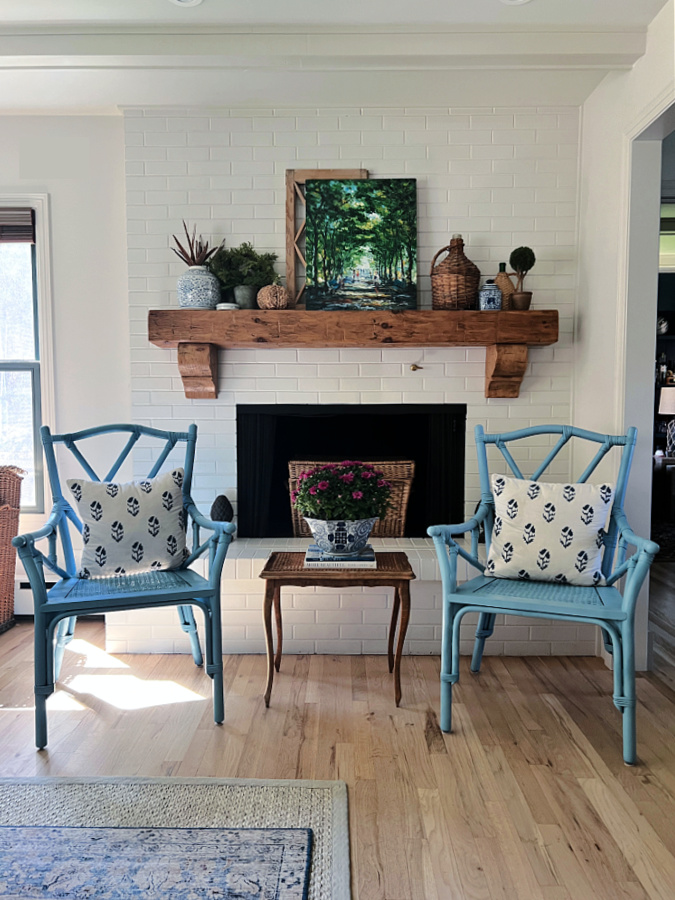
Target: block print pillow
[(548, 532), (134, 527)]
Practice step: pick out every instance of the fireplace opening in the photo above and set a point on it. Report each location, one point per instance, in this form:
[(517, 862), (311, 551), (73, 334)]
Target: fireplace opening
[(269, 436)]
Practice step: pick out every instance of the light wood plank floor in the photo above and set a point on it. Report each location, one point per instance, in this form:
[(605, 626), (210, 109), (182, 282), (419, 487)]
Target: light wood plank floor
[(528, 799)]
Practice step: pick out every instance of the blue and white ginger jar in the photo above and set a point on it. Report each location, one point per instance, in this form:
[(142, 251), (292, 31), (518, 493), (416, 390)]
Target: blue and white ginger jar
[(490, 296), (341, 536), (198, 288)]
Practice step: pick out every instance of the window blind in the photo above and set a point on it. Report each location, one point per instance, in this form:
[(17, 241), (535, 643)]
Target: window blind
[(17, 225)]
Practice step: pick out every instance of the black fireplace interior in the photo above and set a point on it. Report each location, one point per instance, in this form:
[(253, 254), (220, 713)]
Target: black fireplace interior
[(269, 436)]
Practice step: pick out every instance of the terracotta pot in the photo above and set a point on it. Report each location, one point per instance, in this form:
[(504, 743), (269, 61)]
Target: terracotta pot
[(521, 299)]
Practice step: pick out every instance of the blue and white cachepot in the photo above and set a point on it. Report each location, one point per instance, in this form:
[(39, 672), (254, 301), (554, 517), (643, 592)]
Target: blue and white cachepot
[(198, 288), (490, 296), (341, 536)]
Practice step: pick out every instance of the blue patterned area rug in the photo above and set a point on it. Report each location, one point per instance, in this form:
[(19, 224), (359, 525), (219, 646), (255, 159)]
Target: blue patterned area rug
[(183, 838), (153, 863)]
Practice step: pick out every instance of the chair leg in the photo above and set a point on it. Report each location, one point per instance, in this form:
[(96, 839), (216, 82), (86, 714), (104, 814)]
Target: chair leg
[(214, 659), (486, 625), (44, 677), (607, 641), (64, 635), (629, 699), (189, 626), (449, 666)]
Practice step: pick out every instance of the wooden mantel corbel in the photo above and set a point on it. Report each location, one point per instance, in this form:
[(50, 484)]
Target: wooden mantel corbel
[(199, 333), (198, 367)]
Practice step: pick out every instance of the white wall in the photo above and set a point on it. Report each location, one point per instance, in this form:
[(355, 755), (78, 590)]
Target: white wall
[(502, 177), (610, 296), (79, 163)]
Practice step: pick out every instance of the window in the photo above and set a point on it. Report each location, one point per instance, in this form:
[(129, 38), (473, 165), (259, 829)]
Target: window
[(20, 393)]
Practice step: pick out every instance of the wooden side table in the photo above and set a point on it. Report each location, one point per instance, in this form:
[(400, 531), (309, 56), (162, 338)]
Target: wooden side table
[(287, 569)]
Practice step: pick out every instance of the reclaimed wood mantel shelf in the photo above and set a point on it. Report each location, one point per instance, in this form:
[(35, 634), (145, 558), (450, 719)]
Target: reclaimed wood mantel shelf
[(198, 333)]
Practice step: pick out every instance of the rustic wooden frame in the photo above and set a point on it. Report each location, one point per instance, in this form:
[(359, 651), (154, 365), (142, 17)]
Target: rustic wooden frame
[(295, 178)]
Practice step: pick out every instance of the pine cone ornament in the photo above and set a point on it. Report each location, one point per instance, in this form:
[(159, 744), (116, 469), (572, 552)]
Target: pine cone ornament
[(222, 511), (274, 296)]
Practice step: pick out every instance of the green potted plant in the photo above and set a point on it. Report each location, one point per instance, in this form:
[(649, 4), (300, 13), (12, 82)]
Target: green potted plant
[(341, 502), (243, 270), (522, 259), (197, 288)]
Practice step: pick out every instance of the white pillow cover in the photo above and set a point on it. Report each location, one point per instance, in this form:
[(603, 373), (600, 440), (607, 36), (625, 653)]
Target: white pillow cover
[(134, 527), (548, 532)]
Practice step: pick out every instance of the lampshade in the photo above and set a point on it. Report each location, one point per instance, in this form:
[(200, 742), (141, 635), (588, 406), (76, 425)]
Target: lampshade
[(667, 402)]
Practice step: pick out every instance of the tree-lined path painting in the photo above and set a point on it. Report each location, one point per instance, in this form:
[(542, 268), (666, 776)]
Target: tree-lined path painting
[(361, 244)]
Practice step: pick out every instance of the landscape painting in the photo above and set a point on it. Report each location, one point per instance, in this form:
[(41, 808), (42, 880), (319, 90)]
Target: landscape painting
[(361, 244)]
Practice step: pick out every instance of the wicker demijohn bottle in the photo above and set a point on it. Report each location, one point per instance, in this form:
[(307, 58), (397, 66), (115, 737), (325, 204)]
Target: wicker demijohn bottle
[(454, 282), (505, 285)]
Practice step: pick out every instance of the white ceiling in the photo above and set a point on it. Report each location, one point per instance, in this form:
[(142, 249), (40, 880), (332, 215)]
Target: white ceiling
[(95, 56), (612, 14)]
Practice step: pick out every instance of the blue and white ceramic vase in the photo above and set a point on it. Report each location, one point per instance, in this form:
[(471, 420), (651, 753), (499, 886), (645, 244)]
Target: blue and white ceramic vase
[(341, 536), (490, 296), (198, 288)]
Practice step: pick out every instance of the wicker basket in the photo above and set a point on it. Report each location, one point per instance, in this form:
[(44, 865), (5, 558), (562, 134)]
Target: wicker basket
[(454, 282), (399, 473), (10, 496)]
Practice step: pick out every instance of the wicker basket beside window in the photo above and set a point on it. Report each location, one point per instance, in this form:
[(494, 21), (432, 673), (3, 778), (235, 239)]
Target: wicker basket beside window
[(10, 501), (454, 282)]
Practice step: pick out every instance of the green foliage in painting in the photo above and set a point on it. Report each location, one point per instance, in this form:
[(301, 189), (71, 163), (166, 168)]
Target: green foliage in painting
[(361, 243)]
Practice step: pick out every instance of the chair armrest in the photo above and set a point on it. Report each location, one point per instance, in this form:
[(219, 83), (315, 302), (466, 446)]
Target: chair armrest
[(204, 522), (217, 543), (444, 534), (24, 541), (636, 566), (33, 560), (641, 544), (447, 532)]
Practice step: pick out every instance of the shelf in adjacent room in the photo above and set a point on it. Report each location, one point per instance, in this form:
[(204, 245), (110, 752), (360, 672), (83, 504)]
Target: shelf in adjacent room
[(199, 333)]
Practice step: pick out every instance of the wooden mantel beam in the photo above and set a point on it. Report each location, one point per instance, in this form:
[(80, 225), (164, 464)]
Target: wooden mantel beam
[(198, 334)]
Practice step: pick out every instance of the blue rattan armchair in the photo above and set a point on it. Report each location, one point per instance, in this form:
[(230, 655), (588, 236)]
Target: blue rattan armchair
[(607, 605), (56, 610)]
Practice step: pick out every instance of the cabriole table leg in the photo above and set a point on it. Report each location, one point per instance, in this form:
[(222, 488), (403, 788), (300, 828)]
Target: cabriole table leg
[(403, 590), (392, 628), (267, 621)]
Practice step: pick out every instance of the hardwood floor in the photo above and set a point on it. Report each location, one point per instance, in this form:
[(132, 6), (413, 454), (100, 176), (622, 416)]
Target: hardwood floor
[(662, 619), (528, 798)]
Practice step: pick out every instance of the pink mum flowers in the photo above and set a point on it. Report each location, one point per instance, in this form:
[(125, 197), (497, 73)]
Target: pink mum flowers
[(321, 492)]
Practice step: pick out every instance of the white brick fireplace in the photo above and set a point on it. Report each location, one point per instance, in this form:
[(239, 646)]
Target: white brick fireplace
[(501, 177)]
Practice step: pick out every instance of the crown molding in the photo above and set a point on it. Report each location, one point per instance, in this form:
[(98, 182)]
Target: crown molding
[(320, 49)]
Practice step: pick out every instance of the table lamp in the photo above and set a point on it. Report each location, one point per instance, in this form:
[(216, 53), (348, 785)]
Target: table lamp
[(667, 408)]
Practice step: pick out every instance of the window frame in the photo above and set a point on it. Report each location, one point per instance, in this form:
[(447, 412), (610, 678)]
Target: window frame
[(42, 368)]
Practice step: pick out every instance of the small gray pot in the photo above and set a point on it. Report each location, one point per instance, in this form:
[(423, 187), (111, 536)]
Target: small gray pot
[(244, 295)]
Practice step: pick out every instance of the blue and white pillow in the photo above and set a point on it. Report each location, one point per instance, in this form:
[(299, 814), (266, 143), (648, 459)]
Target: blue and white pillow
[(548, 532), (137, 526)]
